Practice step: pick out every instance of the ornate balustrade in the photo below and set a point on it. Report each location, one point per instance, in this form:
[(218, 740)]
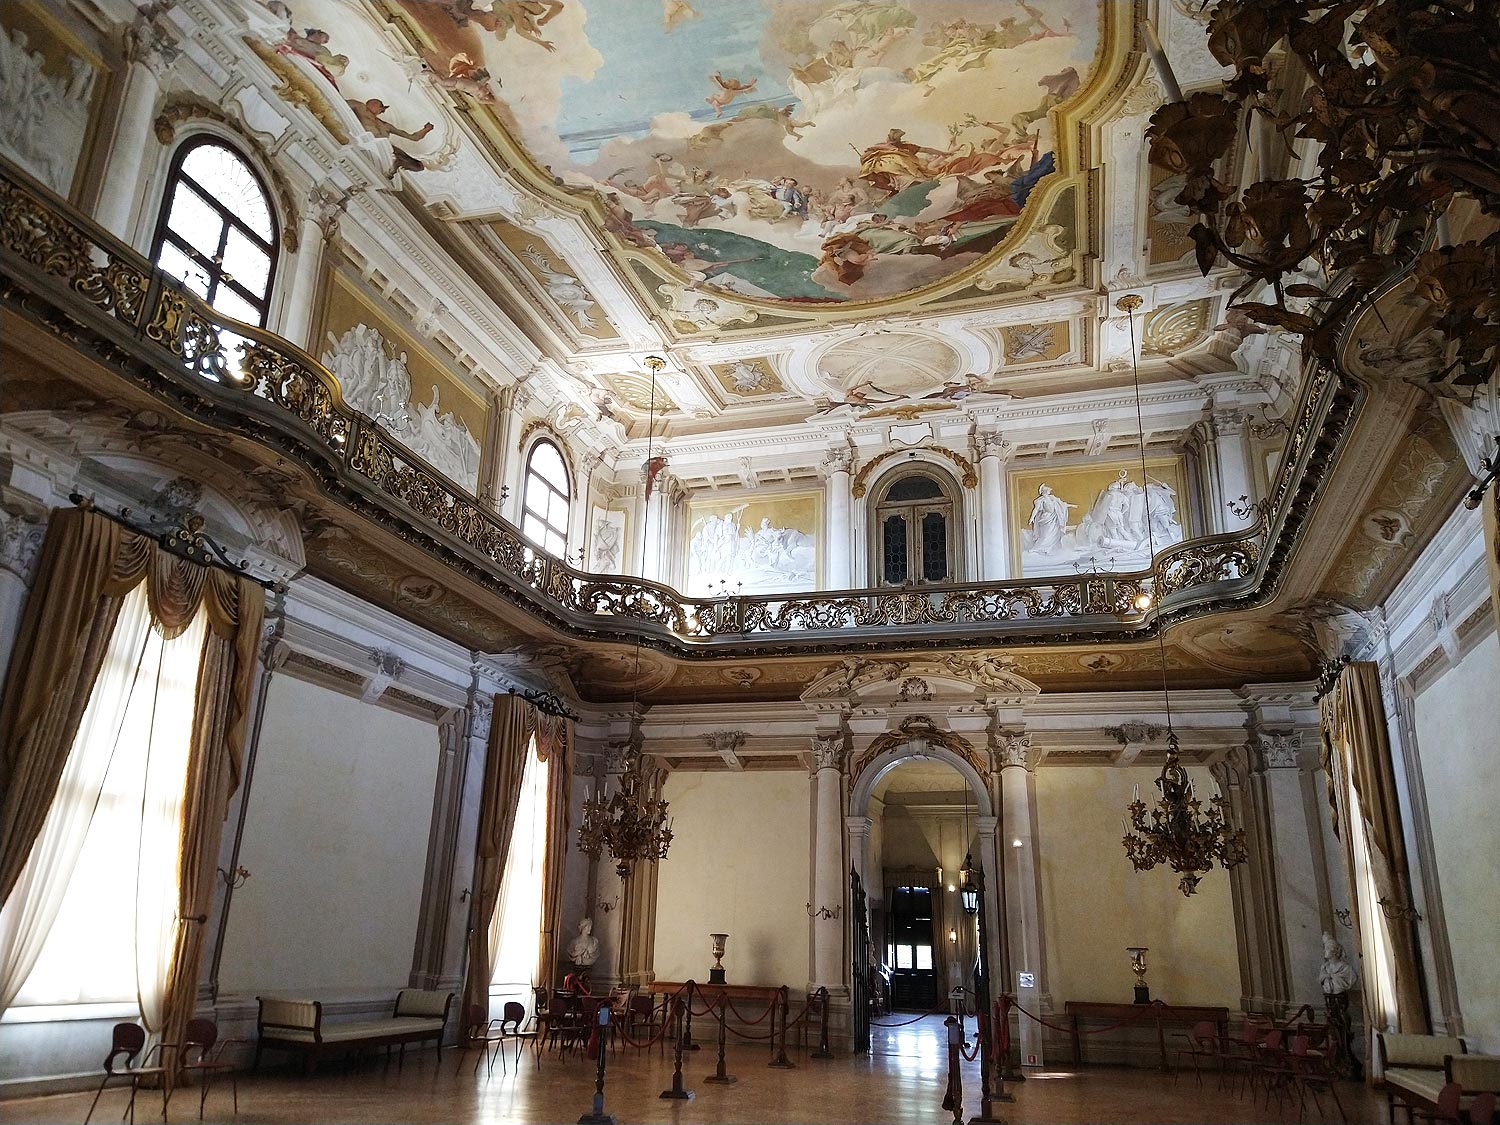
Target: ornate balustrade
[(65, 271)]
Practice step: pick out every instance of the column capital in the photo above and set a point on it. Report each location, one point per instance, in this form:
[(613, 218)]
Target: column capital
[(20, 545), (993, 443), (1011, 748), (1228, 422), (828, 751), (986, 825), (838, 459), (859, 825), (1277, 749)]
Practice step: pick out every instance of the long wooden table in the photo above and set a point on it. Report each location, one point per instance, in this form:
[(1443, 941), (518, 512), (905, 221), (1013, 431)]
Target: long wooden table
[(760, 994), (1143, 1015)]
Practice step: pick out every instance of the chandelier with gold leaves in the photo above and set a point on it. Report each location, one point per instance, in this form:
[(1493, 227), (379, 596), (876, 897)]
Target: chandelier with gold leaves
[(631, 823), (1181, 832), (1398, 128)]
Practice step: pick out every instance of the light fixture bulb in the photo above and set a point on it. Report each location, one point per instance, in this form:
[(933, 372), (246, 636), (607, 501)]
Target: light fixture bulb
[(1143, 601)]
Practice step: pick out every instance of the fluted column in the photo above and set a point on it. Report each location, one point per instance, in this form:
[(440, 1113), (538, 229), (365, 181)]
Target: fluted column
[(828, 863), (837, 573), (318, 227), (993, 451), (1011, 753), (656, 527), (121, 189)]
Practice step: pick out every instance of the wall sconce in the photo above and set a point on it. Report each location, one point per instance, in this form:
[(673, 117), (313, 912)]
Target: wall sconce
[(823, 912), (236, 880), (952, 937), (604, 906)]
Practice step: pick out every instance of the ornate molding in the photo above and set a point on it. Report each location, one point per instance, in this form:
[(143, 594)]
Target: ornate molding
[(922, 730), (970, 478), (726, 743), (20, 545), (1127, 733)]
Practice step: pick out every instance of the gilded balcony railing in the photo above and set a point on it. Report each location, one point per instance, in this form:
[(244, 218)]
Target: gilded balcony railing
[(63, 269)]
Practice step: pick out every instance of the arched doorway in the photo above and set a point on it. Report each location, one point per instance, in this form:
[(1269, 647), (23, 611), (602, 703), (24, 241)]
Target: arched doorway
[(916, 811)]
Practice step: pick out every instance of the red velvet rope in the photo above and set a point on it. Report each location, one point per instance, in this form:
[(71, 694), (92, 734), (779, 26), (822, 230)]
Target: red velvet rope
[(1145, 1008), (941, 1007)]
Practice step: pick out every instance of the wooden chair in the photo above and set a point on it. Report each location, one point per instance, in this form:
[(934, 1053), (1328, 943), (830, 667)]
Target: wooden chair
[(641, 1022), (1237, 1053), (201, 1052), (564, 1021), (513, 1021), (479, 1032), (1312, 1073), (125, 1044), (620, 998), (1272, 1066), (1201, 1043)]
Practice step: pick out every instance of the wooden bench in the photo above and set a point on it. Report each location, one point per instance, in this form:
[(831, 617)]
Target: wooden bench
[(1414, 1068), (296, 1026)]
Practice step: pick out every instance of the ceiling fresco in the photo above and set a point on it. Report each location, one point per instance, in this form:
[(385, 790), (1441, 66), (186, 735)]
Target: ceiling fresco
[(803, 152)]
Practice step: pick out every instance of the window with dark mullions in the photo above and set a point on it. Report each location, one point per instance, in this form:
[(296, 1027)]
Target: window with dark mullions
[(546, 499), (216, 232)]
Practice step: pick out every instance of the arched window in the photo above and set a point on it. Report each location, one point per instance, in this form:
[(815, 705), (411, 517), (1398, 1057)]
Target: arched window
[(544, 499), (216, 232), (914, 532)]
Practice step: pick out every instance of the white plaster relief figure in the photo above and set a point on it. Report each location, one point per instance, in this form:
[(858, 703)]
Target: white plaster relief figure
[(609, 536), (563, 288), (1122, 529), (1049, 523), (46, 115), (378, 383), (767, 559)]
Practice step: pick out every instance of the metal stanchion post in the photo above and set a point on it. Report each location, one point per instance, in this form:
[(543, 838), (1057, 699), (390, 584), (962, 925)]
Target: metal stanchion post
[(720, 1076), (687, 1034), (953, 1099), (781, 1062), (597, 1116), (677, 1092), (1010, 1069), (822, 1052), (986, 1115)]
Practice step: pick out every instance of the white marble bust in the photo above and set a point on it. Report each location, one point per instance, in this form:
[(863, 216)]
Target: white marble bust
[(583, 950), (1337, 975)]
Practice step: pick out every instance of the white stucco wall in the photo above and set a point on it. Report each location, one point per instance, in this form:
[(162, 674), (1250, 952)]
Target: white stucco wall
[(1457, 718), (1096, 904), (738, 865), (336, 842)]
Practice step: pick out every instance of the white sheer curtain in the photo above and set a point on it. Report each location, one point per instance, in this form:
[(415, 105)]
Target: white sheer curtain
[(93, 918), (1379, 977), (516, 930)]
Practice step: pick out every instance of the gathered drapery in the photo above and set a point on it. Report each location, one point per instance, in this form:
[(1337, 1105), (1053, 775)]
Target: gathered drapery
[(89, 566), (1362, 786), (555, 745), (504, 767)]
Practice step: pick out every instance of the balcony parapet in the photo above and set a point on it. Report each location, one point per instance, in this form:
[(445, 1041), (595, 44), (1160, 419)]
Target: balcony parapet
[(63, 270)]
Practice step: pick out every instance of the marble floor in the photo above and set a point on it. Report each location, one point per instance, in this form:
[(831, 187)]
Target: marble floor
[(901, 1081)]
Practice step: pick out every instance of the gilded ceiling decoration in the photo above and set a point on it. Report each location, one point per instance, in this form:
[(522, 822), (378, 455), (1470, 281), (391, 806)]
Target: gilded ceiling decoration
[(748, 378), (1175, 328), (1035, 343)]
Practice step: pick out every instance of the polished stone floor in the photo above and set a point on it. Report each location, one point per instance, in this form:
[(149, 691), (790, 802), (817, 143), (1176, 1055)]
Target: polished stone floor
[(901, 1081)]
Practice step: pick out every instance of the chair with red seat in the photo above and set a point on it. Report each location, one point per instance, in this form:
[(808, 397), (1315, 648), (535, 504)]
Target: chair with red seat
[(1447, 1111), (513, 1020), (125, 1044), (1482, 1109), (479, 1033)]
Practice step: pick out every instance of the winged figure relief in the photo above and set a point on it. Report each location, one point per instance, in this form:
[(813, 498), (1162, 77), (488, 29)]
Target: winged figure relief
[(563, 288)]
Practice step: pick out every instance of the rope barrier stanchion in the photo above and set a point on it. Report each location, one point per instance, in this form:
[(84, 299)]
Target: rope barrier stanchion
[(677, 1092), (822, 1052), (687, 1033), (1010, 1069), (596, 1115), (953, 1097), (781, 1062), (721, 1076)]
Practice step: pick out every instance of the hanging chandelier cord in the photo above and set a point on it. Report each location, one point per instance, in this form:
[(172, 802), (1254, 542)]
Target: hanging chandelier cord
[(1140, 425), (655, 365)]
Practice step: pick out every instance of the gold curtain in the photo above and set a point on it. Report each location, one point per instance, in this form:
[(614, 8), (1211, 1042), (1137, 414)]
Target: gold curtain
[(89, 563), (1354, 724), (1491, 510), (226, 677), (554, 739), (65, 629), (504, 767)]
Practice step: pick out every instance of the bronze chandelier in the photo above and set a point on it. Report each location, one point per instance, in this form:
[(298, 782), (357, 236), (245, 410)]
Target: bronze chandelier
[(1181, 832)]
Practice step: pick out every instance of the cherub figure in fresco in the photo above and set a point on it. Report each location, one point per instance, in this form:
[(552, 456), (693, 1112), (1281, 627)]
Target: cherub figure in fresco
[(525, 17), (459, 73), (674, 12), (896, 163), (312, 45), (728, 90), (370, 114)]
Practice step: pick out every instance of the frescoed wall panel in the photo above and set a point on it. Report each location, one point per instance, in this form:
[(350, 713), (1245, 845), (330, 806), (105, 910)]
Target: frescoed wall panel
[(1097, 516), (386, 372), (51, 86), (752, 544)]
